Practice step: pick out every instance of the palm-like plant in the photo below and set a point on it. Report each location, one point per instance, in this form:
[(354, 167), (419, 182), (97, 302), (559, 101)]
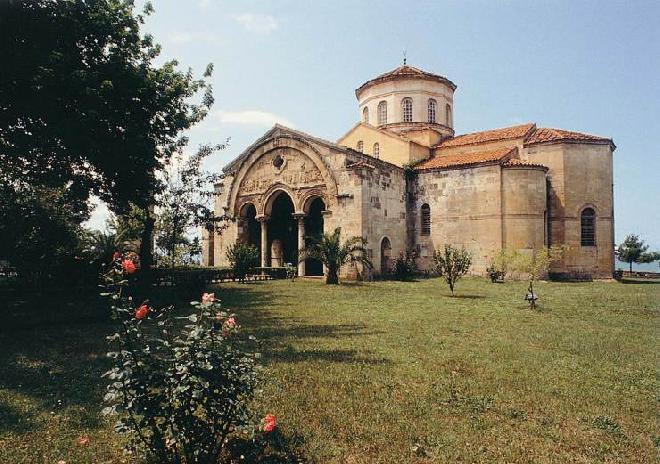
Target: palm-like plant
[(329, 249)]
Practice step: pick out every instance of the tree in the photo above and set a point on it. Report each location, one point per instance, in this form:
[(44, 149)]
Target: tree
[(329, 249), (452, 264), (500, 264), (242, 258), (535, 265), (634, 250), (83, 106), (186, 203)]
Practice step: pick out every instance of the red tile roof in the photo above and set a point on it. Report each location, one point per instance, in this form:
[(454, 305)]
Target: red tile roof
[(494, 135), (514, 162), (405, 72), (441, 161), (544, 134)]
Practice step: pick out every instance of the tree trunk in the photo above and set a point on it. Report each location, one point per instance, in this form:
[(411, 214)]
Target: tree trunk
[(146, 240), (630, 262), (332, 278)]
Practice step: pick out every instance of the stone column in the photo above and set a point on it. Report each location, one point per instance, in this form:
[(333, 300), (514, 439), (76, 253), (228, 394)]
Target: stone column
[(301, 241), (263, 220)]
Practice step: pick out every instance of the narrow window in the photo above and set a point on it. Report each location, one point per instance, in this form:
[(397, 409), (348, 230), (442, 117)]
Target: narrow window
[(406, 104), (448, 114), (376, 150), (382, 113), (360, 146), (431, 110), (588, 227), (365, 115), (426, 219)]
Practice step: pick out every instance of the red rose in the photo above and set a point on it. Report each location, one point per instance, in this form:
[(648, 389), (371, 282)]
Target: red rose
[(128, 266), (269, 423), (141, 312), (116, 256)]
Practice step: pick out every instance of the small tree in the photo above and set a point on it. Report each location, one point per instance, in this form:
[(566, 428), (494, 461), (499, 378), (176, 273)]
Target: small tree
[(500, 265), (329, 249), (404, 266), (242, 258), (634, 250), (185, 203), (451, 264), (535, 265)]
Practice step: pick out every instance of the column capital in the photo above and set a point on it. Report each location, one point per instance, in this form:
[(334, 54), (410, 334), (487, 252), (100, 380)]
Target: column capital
[(262, 218), (326, 212), (299, 216)]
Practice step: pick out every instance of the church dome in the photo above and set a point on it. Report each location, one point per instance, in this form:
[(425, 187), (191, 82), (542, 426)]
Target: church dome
[(408, 99)]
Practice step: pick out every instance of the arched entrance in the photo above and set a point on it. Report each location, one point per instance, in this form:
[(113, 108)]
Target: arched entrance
[(250, 229), (385, 255), (314, 227), (282, 232)]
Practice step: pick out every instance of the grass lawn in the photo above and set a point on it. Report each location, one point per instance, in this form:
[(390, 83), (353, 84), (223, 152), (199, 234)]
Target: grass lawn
[(386, 372)]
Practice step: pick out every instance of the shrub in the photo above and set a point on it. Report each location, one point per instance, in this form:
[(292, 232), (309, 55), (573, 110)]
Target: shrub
[(242, 258), (536, 264), (404, 266), (452, 264), (179, 394), (500, 264)]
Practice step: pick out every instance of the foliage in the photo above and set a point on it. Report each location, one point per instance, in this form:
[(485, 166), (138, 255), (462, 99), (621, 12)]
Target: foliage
[(333, 253), (634, 250), (404, 266), (243, 258), (500, 264), (179, 393), (40, 233), (451, 264), (83, 104), (186, 203), (535, 265)]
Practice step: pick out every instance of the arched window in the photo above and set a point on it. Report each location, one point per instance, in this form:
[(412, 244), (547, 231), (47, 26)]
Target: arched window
[(448, 114), (431, 110), (382, 113), (426, 219), (360, 146), (365, 115), (376, 150), (406, 106), (588, 227)]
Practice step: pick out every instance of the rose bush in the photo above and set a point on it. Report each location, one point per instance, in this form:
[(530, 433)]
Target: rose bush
[(180, 385)]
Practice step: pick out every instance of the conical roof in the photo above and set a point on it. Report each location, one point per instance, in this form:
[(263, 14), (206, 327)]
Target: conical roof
[(405, 72)]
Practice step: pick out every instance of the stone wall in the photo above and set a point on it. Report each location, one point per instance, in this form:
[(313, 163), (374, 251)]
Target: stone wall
[(580, 176)]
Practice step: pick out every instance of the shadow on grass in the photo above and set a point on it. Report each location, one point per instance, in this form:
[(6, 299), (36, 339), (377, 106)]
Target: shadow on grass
[(640, 281), (467, 297)]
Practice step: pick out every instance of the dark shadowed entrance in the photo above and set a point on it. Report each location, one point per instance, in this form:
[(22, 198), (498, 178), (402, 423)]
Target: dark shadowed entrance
[(282, 232), (250, 229), (314, 227)]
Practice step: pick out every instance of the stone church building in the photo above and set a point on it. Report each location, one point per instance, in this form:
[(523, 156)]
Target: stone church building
[(402, 179)]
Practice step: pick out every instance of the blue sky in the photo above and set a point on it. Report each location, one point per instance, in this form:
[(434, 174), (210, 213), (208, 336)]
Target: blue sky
[(590, 66)]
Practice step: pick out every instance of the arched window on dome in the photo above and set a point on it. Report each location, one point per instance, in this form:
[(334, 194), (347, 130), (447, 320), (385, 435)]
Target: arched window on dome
[(406, 106), (448, 114), (382, 113), (426, 219), (376, 150), (432, 110), (365, 115), (588, 227), (360, 146)]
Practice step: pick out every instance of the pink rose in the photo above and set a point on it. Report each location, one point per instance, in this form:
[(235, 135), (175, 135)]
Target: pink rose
[(208, 297), (270, 422), (128, 266), (141, 312)]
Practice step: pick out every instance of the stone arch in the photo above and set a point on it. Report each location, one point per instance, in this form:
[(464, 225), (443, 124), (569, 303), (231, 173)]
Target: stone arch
[(385, 255), (282, 141), (271, 195), (311, 195)]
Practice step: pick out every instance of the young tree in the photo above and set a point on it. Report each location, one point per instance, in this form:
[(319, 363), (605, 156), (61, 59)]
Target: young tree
[(500, 265), (84, 106), (451, 264), (186, 203), (535, 265), (329, 249), (242, 258), (634, 250)]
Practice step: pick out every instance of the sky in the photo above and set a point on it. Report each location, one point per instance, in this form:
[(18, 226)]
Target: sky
[(589, 66)]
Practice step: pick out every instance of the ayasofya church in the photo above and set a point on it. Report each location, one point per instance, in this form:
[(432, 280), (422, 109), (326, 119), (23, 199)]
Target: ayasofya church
[(402, 179)]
